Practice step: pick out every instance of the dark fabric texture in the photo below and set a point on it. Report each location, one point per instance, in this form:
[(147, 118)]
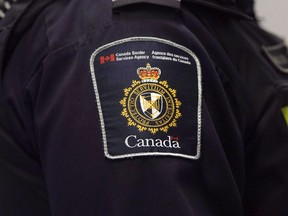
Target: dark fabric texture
[(52, 156), (265, 157)]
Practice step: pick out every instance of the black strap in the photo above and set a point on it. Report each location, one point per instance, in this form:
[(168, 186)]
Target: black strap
[(167, 3)]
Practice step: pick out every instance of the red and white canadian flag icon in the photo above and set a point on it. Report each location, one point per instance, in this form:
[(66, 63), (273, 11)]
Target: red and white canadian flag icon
[(109, 58)]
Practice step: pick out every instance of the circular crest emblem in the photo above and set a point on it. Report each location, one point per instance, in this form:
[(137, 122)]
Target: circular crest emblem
[(150, 104)]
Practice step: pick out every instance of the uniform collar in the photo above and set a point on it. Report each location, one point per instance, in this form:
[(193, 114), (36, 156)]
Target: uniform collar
[(231, 7), (247, 6)]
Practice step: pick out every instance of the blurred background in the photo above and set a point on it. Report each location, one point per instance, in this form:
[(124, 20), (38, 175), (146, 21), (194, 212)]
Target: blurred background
[(273, 16)]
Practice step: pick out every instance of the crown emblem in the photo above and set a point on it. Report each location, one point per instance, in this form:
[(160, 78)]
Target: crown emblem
[(149, 104), (149, 74)]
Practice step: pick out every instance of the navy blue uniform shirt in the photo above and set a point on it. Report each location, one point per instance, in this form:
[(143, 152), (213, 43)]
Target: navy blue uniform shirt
[(142, 109)]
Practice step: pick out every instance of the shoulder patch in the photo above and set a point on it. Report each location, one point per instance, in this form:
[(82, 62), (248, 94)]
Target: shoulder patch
[(149, 97)]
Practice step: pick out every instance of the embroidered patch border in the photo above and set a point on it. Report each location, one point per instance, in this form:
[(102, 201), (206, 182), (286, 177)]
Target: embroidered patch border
[(98, 101)]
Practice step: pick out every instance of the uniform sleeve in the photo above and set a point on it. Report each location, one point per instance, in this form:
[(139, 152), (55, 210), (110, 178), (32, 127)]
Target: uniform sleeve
[(97, 129), (22, 184), (126, 117), (129, 119)]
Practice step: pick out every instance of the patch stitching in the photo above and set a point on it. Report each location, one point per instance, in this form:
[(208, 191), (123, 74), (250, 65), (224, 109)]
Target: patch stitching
[(98, 101)]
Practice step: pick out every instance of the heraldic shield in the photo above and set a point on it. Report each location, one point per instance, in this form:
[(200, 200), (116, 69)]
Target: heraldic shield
[(151, 104)]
